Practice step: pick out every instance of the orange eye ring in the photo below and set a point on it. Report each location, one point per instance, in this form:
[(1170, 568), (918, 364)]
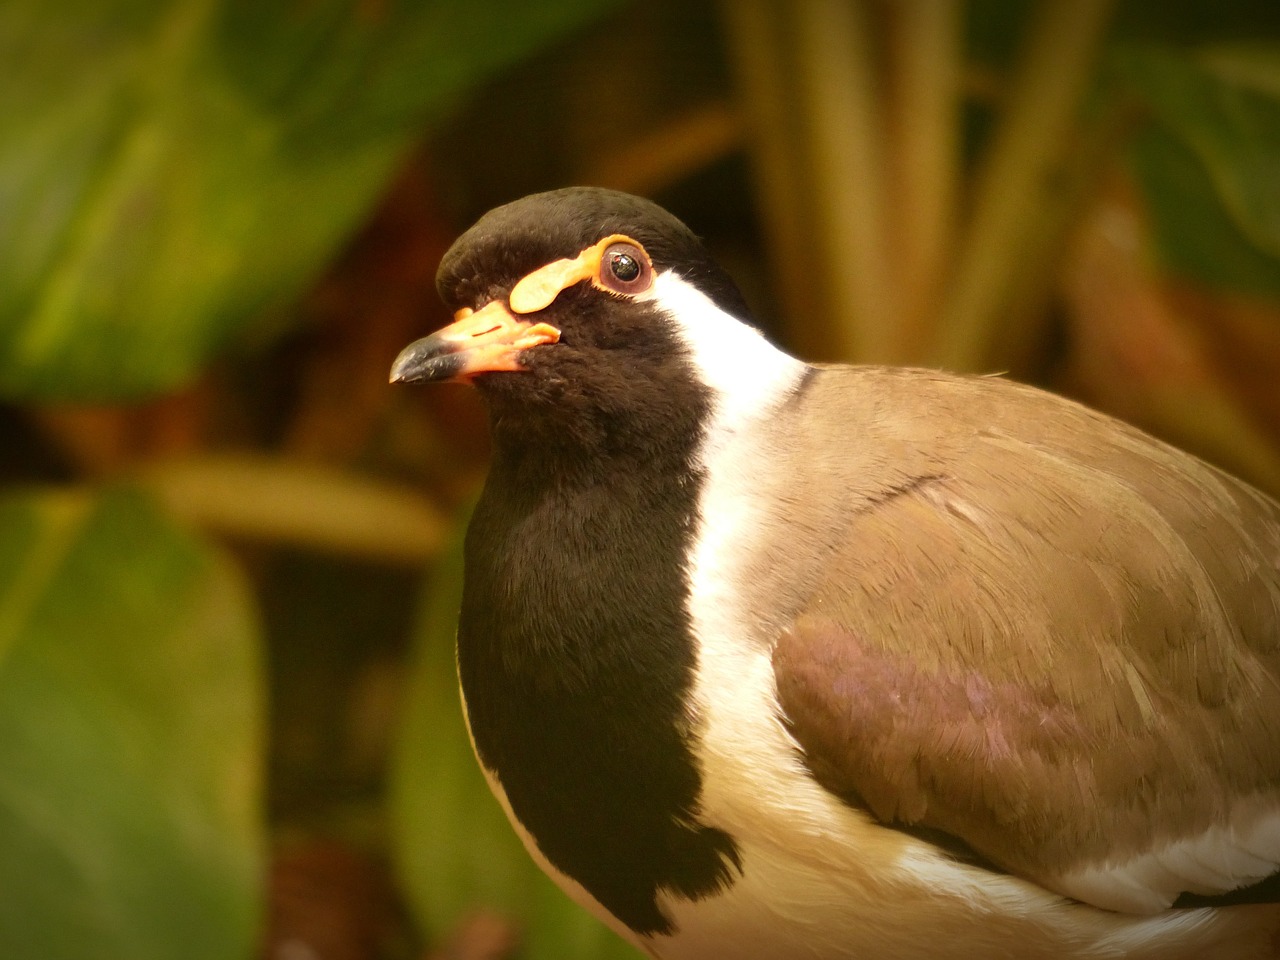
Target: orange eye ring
[(624, 268)]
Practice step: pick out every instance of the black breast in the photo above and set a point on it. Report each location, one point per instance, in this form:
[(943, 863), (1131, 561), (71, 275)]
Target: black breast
[(576, 660)]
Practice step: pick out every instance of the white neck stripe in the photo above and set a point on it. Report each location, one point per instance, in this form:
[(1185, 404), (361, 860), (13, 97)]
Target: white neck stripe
[(746, 373)]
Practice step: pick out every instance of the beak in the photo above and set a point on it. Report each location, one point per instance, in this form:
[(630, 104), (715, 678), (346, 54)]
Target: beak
[(484, 341)]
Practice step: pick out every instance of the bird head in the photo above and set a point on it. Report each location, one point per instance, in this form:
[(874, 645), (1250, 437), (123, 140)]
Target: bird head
[(582, 284)]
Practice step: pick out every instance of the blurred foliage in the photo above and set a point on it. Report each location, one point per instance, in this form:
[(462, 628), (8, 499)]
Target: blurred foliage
[(130, 736), (1208, 162), (219, 220), (171, 169)]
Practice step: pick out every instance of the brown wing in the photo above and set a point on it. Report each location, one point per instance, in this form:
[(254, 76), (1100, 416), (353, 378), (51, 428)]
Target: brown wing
[(1045, 634)]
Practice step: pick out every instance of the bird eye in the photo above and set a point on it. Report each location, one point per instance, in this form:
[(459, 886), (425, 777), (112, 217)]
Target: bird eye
[(624, 268)]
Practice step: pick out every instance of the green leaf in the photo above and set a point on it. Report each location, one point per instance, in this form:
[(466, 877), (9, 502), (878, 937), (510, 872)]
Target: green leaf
[(171, 170), (1194, 234), (130, 737), (455, 852), (1253, 65), (1209, 165)]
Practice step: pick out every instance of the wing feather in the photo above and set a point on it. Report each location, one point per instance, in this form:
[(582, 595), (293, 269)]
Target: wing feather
[(1044, 633)]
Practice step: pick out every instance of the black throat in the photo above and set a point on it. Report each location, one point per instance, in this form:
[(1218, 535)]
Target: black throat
[(575, 648)]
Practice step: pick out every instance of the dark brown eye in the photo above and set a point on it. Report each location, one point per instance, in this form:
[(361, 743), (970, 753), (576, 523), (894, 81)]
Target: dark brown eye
[(624, 268)]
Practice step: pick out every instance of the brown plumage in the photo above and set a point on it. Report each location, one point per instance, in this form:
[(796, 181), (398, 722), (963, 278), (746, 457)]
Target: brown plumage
[(1032, 628)]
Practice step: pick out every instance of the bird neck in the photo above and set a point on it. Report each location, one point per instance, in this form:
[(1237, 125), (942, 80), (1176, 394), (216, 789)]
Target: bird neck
[(576, 657), (561, 435), (576, 535)]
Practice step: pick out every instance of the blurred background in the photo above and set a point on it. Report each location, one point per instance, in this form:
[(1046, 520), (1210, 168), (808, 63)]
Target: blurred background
[(228, 550)]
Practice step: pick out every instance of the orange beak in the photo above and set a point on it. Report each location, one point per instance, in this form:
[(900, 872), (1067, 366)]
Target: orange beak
[(483, 341)]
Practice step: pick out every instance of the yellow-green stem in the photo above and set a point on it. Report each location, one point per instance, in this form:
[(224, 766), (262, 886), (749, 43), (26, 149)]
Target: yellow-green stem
[(842, 133), (303, 504), (753, 28), (1009, 195), (926, 47), (1020, 331)]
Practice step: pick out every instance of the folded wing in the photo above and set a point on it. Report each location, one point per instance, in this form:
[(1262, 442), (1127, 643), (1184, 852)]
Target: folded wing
[(1054, 640)]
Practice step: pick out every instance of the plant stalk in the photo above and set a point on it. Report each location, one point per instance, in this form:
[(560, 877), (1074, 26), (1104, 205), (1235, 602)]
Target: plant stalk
[(842, 133), (1014, 181), (926, 48), (753, 29)]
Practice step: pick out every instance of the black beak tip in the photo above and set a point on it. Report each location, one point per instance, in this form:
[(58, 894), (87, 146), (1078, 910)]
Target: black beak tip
[(426, 360)]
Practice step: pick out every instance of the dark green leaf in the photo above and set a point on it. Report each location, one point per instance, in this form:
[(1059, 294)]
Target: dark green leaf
[(1195, 236), (455, 851), (170, 170), (130, 737), (1195, 21), (1210, 166)]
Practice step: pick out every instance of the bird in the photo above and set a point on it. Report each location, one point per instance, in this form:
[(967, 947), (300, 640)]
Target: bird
[(767, 659)]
